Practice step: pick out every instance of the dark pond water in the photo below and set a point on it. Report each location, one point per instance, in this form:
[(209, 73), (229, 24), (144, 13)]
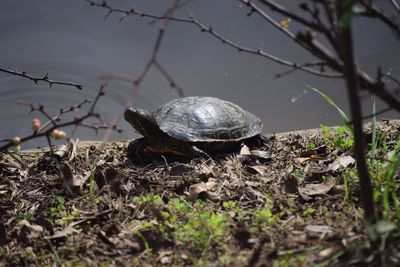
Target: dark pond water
[(72, 41)]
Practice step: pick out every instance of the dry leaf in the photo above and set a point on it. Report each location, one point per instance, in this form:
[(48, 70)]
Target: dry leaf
[(80, 180), (28, 231), (261, 154), (68, 179), (326, 252), (245, 151), (69, 230), (252, 183), (63, 151), (206, 171), (301, 159), (135, 245), (322, 229), (215, 197), (316, 189), (257, 169), (211, 183), (304, 159), (110, 239), (164, 257), (285, 23), (32, 227), (196, 189), (342, 162)]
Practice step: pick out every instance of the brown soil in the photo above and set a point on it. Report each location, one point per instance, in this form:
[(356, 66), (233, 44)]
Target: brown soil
[(79, 211)]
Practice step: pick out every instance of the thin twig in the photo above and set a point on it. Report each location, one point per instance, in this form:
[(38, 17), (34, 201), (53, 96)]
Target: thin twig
[(395, 5), (305, 39), (320, 64), (46, 130), (51, 120), (137, 81), (373, 11), (317, 26), (211, 31), (393, 79), (172, 83), (308, 42), (44, 78)]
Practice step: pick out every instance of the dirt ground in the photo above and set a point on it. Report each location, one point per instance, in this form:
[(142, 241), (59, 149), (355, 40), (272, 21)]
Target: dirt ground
[(285, 204)]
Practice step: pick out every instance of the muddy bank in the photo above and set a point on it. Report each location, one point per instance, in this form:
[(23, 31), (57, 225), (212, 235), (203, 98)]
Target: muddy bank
[(293, 202)]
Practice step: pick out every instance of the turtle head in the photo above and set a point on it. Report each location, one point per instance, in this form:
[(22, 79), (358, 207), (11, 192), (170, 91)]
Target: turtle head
[(142, 121)]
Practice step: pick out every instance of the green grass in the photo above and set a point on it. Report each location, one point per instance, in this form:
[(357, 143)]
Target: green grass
[(342, 114), (60, 214), (202, 227), (340, 137), (290, 258), (383, 162)]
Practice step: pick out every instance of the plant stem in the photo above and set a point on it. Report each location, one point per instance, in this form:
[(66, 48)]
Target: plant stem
[(347, 55)]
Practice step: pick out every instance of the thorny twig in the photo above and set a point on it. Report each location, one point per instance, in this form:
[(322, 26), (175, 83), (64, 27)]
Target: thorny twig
[(54, 122), (152, 61), (211, 31), (306, 39), (44, 78), (51, 120)]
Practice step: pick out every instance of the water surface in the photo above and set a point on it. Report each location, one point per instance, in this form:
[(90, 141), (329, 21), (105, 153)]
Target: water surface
[(72, 41)]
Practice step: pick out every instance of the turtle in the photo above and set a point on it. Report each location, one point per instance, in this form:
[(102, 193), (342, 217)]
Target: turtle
[(191, 127)]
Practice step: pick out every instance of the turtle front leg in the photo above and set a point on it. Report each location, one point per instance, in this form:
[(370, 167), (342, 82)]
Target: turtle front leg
[(137, 153), (189, 151)]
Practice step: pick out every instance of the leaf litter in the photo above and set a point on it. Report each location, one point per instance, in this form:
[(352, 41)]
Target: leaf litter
[(279, 205)]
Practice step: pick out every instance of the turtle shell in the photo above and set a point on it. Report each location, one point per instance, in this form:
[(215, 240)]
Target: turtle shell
[(206, 119)]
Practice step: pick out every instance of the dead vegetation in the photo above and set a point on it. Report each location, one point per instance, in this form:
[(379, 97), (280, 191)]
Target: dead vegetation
[(292, 203)]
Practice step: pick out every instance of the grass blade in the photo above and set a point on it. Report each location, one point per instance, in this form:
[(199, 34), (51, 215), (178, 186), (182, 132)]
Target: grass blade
[(344, 116)]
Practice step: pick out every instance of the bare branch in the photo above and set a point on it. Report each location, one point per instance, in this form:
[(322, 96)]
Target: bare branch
[(306, 39), (44, 78), (153, 57), (395, 5), (172, 83), (375, 12), (319, 64), (51, 120), (317, 26), (218, 36), (152, 61), (393, 79), (46, 130)]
